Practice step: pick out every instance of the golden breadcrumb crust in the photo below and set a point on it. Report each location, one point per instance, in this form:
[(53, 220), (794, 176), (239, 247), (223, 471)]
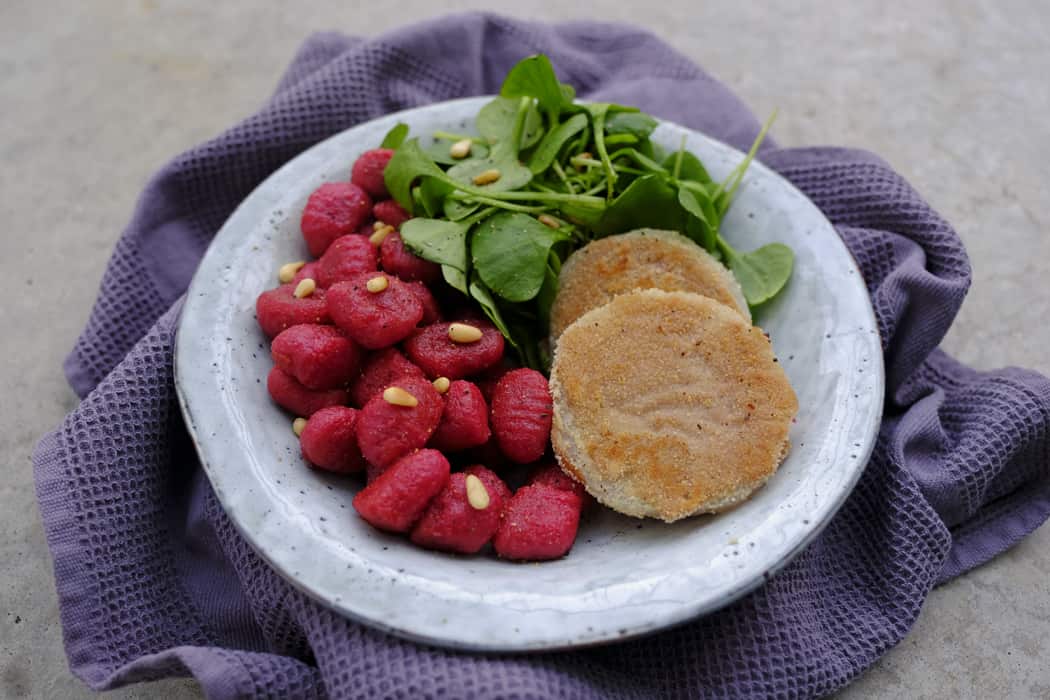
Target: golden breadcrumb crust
[(642, 259), (668, 404)]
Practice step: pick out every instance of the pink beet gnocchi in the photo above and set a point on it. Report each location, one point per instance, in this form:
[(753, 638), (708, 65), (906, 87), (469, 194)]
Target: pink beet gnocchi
[(289, 394), (367, 172), (374, 316), (493, 484), (329, 440), (307, 271), (465, 420), (320, 357), (539, 522), (550, 474), (390, 212), (367, 332), (378, 372), (522, 412), (460, 518), (400, 261), (431, 309), (278, 309), (333, 210), (433, 350), (346, 258), (386, 431), (398, 497)]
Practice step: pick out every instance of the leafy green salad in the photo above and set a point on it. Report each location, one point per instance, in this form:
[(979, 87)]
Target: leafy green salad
[(543, 176)]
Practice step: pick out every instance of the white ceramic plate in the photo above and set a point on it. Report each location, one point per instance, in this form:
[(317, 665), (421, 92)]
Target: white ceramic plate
[(624, 577)]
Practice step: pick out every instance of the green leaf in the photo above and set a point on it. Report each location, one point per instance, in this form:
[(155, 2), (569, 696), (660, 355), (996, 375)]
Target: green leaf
[(481, 294), (568, 95), (408, 164), (548, 149), (639, 158), (637, 124), (714, 221), (432, 195), (560, 250), (620, 139), (510, 252), (582, 214), (522, 332), (546, 357), (700, 227), (722, 201), (395, 137), (648, 202), (688, 201), (691, 167), (525, 341), (513, 175), (454, 277), (579, 144), (702, 192), (442, 242), (439, 152), (545, 297), (418, 204), (729, 186), (620, 109), (459, 209), (534, 77), (654, 151), (495, 121), (598, 112), (763, 272)]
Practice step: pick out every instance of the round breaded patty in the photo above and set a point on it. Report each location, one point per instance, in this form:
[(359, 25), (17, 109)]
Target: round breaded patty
[(668, 404), (642, 259)]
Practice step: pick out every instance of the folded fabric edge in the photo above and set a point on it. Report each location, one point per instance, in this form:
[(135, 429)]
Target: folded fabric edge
[(224, 674), (78, 375), (72, 582), (1003, 524)]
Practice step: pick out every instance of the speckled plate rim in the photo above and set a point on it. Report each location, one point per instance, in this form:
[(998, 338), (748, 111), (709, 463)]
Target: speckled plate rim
[(194, 375)]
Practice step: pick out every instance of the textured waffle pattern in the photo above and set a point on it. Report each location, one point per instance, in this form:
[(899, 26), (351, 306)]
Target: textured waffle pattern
[(154, 580)]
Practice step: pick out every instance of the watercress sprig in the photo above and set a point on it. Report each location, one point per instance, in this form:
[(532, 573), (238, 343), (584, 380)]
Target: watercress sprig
[(544, 176)]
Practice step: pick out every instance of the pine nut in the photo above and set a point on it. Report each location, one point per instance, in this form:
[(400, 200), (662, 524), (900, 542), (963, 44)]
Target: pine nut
[(487, 177), (464, 333), (287, 272), (305, 288), (378, 224), (477, 494), (460, 149), (377, 284), (397, 396), (297, 426), (548, 220), (442, 384), (380, 235)]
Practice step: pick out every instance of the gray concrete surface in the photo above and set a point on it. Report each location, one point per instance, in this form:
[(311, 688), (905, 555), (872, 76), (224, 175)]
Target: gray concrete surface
[(95, 96)]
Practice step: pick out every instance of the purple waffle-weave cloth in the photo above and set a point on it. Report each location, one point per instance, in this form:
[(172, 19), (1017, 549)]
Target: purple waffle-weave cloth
[(154, 581)]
